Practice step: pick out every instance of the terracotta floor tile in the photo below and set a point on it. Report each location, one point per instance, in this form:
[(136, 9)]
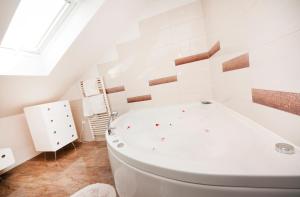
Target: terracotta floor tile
[(72, 171)]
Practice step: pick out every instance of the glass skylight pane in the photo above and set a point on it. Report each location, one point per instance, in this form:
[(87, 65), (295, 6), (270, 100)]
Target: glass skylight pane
[(31, 22)]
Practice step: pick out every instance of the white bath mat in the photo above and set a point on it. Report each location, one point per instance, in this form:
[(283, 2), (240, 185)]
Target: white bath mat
[(96, 190)]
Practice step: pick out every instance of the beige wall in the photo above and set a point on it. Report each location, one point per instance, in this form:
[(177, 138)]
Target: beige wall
[(15, 134), (163, 38), (270, 31)]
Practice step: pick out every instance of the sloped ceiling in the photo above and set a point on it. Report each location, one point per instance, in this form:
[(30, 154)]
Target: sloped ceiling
[(7, 9), (111, 20)]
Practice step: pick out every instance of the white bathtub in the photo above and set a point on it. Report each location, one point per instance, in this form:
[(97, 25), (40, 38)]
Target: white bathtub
[(199, 150)]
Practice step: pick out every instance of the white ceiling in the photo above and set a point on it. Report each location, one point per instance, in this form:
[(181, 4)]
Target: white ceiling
[(110, 23), (7, 9)]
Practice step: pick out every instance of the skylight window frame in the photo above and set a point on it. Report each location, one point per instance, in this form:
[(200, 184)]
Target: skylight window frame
[(54, 26)]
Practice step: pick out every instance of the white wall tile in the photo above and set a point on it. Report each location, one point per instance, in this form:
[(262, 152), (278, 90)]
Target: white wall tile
[(165, 37), (276, 65), (269, 31)]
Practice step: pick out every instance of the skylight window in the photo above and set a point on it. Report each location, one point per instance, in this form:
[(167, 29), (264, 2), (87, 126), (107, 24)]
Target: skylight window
[(33, 23)]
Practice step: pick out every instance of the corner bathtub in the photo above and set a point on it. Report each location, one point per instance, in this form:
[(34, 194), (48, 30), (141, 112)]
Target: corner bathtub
[(199, 150)]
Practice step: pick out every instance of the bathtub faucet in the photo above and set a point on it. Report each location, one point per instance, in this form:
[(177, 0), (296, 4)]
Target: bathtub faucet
[(111, 118)]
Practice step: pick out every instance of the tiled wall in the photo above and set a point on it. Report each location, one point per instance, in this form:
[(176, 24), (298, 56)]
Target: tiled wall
[(146, 67), (177, 59), (260, 57)]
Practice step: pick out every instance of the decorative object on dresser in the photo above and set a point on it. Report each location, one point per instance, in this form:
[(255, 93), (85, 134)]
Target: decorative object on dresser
[(51, 126)]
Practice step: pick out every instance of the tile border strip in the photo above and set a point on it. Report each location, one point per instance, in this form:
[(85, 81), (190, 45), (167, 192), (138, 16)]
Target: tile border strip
[(115, 89), (201, 56), (239, 62), (139, 98), (285, 101), (192, 58), (162, 80)]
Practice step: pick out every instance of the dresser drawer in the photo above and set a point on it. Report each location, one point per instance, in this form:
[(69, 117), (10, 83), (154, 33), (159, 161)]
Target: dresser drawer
[(51, 125)]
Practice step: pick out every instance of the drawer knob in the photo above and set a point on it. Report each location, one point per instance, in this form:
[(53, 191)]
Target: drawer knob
[(73, 135), (48, 108), (65, 105), (51, 120), (57, 143), (70, 125), (67, 115), (54, 132), (3, 156)]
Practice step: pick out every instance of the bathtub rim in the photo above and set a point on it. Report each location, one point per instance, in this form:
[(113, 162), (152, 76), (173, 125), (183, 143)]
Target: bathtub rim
[(207, 186), (225, 180)]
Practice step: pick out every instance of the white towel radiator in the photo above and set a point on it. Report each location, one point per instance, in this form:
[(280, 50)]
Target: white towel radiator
[(98, 122)]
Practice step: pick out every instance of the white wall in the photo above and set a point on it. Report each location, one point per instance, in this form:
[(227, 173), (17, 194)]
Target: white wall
[(15, 134), (270, 31)]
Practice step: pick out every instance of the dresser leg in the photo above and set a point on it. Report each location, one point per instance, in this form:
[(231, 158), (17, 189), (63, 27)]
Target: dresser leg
[(55, 155), (74, 145), (45, 156)]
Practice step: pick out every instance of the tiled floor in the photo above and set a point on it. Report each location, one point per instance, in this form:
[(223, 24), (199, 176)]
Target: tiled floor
[(72, 171)]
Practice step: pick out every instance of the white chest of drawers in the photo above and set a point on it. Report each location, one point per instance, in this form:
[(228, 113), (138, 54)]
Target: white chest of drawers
[(6, 158), (51, 125)]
